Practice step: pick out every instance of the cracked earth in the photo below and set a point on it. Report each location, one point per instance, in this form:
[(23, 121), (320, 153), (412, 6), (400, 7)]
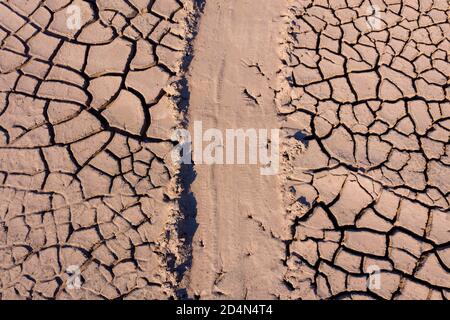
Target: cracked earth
[(87, 181)]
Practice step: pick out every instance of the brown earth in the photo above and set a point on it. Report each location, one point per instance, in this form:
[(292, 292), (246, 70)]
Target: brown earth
[(87, 180)]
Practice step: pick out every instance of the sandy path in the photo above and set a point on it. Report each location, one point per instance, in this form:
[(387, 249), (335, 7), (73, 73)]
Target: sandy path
[(239, 212)]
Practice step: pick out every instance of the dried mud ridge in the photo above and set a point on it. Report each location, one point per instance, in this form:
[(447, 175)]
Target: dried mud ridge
[(86, 178), (367, 176)]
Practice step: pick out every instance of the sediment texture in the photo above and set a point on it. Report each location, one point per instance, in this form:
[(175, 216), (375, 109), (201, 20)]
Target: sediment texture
[(88, 189), (86, 117), (367, 174)]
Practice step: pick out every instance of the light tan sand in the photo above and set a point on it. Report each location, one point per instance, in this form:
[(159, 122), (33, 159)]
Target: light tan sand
[(88, 195), (93, 206), (236, 252)]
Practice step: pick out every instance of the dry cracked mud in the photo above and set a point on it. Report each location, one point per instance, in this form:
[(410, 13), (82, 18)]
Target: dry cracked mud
[(86, 124), (368, 172), (92, 205)]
